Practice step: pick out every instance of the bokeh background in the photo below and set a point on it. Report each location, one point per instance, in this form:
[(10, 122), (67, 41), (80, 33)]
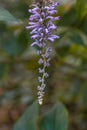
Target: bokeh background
[(19, 69)]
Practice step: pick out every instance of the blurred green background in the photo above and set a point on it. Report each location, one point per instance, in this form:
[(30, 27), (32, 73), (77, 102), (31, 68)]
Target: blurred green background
[(66, 91)]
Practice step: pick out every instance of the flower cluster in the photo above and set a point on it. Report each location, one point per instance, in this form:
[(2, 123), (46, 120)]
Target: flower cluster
[(41, 23)]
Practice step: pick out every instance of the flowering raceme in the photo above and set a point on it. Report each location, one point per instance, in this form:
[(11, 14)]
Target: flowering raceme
[(41, 24)]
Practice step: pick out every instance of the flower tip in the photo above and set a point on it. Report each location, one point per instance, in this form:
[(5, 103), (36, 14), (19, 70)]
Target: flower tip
[(40, 102)]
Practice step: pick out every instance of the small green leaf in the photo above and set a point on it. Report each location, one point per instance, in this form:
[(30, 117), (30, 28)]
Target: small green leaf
[(29, 119), (81, 7), (55, 119), (7, 17)]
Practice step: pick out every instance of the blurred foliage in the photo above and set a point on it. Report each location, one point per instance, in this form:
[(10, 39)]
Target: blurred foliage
[(29, 119), (67, 83)]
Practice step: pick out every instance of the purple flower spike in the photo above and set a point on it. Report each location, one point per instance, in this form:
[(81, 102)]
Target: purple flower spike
[(41, 24)]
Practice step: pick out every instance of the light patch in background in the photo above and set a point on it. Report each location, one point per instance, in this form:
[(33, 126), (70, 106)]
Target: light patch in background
[(66, 1)]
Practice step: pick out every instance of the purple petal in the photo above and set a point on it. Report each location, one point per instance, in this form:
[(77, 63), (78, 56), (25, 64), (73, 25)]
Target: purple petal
[(53, 27), (41, 70), (52, 12), (40, 61), (46, 75), (49, 49), (31, 27), (49, 17), (55, 36), (33, 31), (34, 43), (55, 4), (51, 39), (57, 18), (34, 36), (46, 30), (32, 23)]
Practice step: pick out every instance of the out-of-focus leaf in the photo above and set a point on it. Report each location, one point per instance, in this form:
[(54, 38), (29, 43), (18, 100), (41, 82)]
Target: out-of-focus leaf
[(81, 7), (3, 70), (84, 96), (63, 50), (83, 26), (13, 46), (74, 90), (84, 64), (22, 41), (76, 38), (32, 64), (9, 43), (7, 17), (68, 18), (29, 119), (55, 119)]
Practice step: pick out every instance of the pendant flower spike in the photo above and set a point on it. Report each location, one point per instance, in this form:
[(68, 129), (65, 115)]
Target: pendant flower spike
[(41, 24)]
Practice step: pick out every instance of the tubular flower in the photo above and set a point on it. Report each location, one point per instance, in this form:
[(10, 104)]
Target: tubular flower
[(41, 24)]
